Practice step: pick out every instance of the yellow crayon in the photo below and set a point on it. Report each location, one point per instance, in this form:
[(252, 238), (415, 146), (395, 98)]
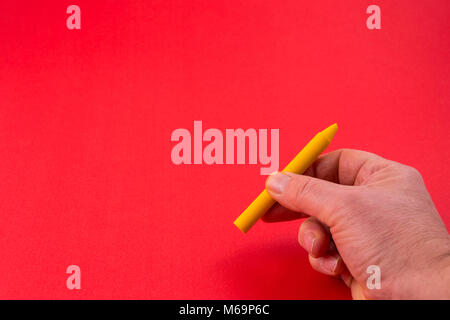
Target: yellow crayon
[(302, 161)]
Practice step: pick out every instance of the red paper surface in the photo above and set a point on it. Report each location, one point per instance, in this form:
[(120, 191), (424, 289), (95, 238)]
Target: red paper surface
[(86, 116)]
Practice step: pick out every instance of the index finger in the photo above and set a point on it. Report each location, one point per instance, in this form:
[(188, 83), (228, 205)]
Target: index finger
[(346, 166)]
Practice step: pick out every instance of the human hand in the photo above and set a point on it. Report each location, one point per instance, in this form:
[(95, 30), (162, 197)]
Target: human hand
[(365, 210)]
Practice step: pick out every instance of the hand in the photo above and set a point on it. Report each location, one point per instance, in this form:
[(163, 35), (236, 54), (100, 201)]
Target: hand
[(365, 210)]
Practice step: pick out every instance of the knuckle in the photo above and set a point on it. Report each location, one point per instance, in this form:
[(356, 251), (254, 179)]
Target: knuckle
[(346, 151), (301, 189), (415, 172), (412, 172)]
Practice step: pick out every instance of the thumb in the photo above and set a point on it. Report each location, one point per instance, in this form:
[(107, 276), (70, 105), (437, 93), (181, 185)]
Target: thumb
[(305, 194)]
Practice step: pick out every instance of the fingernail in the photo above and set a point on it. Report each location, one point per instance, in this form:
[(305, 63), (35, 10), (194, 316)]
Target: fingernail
[(330, 264), (277, 182), (308, 242)]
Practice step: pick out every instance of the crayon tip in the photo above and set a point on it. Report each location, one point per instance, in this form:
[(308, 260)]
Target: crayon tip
[(330, 132)]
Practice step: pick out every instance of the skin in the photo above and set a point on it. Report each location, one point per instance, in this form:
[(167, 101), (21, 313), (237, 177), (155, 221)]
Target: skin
[(365, 210)]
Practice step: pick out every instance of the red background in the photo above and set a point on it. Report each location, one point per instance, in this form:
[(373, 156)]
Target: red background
[(86, 117)]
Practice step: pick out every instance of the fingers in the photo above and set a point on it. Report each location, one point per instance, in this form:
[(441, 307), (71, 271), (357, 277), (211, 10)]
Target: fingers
[(278, 213), (305, 194), (330, 264), (314, 237), (323, 255), (346, 166), (333, 265)]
